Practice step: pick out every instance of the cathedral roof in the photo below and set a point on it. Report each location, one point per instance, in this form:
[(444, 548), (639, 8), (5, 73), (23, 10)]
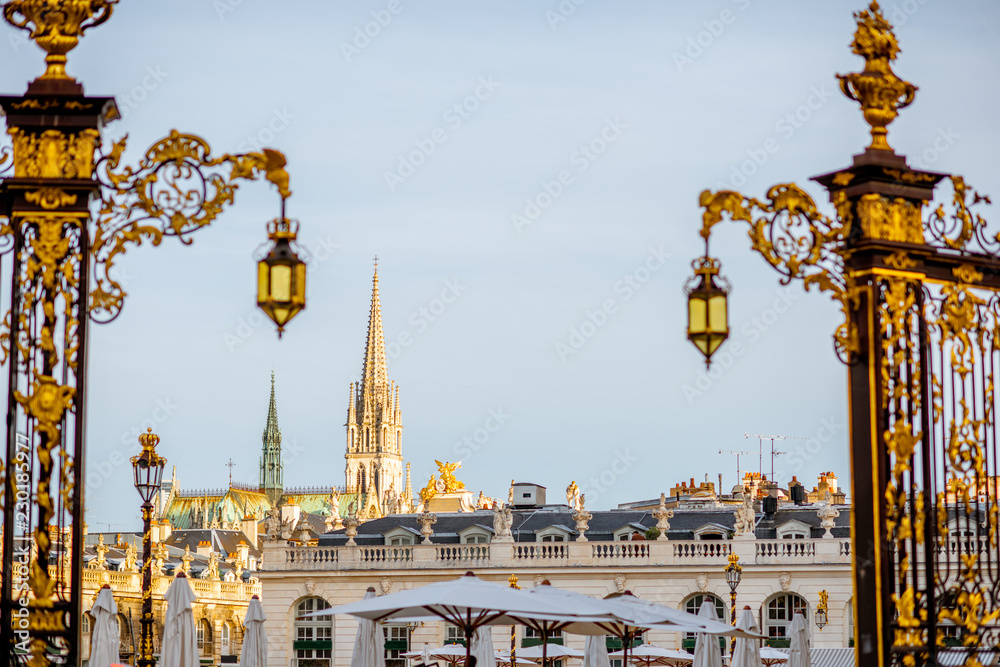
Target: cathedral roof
[(195, 509)]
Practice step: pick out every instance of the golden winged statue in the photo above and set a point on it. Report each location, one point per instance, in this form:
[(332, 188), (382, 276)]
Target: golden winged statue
[(447, 471)]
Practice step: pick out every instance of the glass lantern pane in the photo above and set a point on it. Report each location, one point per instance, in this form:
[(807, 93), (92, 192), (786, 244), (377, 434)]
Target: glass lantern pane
[(300, 284), (281, 283), (696, 315), (263, 294), (717, 313)]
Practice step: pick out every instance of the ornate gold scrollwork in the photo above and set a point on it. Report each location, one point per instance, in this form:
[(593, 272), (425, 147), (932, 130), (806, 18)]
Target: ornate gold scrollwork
[(890, 219), (54, 154), (171, 192), (964, 228), (57, 26), (797, 240), (879, 91), (50, 198), (901, 260)]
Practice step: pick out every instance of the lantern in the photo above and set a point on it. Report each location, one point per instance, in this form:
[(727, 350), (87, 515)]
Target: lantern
[(708, 310), (734, 572), (281, 275), (147, 467)]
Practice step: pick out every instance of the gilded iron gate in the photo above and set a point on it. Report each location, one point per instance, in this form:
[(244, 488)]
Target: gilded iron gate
[(919, 288)]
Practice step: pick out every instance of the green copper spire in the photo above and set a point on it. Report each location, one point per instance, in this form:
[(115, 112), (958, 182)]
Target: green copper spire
[(271, 473)]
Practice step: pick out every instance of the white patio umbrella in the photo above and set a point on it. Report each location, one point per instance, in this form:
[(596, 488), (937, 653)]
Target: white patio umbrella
[(503, 658), (369, 644), (453, 654), (468, 602), (706, 647), (104, 635), (595, 652), (548, 651), (798, 655), (746, 653), (647, 655), (482, 647), (625, 616), (254, 652), (772, 656), (180, 644)]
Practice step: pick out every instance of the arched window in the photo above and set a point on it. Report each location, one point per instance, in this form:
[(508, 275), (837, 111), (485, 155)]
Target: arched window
[(375, 479), (692, 606), (780, 610), (227, 647), (313, 636), (204, 633), (362, 481)]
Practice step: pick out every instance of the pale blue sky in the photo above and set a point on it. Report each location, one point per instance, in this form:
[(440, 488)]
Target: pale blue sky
[(296, 76)]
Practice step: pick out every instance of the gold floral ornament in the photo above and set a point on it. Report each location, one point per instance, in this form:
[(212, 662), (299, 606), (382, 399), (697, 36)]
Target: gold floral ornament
[(56, 26), (879, 91), (798, 241), (177, 188)]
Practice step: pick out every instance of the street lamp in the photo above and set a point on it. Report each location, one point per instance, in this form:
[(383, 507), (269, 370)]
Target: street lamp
[(734, 572), (147, 467), (708, 311), (70, 208), (917, 284), (821, 609), (281, 275)]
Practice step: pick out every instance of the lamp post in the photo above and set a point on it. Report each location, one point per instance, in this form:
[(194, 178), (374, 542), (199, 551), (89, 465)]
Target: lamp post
[(69, 209), (734, 572), (821, 610), (918, 286), (147, 468)]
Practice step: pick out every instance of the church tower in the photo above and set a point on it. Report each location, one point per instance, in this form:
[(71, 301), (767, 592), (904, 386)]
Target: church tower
[(271, 473), (374, 423)]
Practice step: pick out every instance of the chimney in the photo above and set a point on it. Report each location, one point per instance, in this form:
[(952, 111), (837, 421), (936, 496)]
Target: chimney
[(165, 530), (249, 526), (243, 553), (204, 549)]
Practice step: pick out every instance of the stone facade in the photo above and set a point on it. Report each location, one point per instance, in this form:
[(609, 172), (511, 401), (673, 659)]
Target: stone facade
[(222, 583), (388, 554)]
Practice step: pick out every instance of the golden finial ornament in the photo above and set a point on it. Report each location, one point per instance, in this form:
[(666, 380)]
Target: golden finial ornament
[(879, 91), (56, 26)]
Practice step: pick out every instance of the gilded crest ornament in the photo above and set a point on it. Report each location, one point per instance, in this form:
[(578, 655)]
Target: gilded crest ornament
[(877, 88)]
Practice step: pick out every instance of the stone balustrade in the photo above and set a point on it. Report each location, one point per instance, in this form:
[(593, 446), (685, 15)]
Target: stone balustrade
[(131, 582), (280, 557)]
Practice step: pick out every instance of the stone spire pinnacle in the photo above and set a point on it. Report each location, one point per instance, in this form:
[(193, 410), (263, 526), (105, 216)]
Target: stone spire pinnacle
[(272, 434), (271, 469), (375, 372), (374, 425)]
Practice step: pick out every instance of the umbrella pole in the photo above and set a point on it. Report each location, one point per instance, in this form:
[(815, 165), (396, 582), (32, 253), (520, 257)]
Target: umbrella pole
[(468, 637), (545, 643)]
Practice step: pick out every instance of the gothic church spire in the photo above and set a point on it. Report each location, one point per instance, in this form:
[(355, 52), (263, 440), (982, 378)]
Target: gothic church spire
[(271, 470), (375, 372)]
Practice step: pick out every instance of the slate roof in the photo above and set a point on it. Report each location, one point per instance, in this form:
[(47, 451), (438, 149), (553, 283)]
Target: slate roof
[(603, 525)]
